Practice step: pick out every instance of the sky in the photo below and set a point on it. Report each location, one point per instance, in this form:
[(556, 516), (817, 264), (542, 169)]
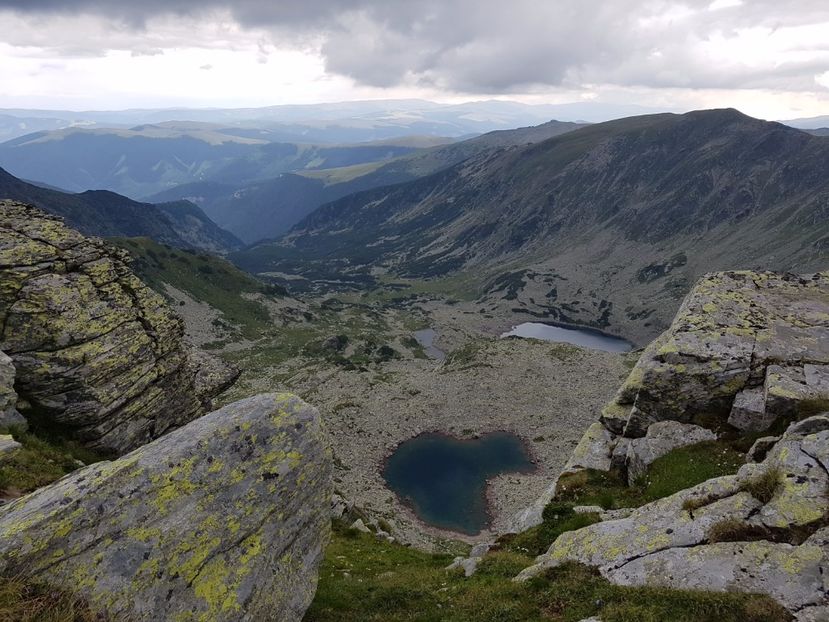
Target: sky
[(769, 58)]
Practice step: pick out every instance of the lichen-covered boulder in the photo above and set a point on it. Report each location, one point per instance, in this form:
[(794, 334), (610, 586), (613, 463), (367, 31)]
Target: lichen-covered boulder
[(729, 329), (97, 353), (9, 417), (223, 519)]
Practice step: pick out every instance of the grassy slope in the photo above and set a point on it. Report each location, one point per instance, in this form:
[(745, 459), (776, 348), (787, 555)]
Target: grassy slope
[(363, 579), (206, 278)]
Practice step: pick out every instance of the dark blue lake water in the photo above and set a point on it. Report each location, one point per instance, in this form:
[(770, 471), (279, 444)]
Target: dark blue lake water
[(443, 479), (585, 338)]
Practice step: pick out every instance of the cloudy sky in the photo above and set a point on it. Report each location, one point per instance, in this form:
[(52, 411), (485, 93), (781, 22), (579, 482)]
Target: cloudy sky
[(769, 58)]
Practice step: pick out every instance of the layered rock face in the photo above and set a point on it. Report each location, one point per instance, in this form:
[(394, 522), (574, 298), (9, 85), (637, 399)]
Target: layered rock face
[(97, 353), (223, 519), (746, 350), (8, 398)]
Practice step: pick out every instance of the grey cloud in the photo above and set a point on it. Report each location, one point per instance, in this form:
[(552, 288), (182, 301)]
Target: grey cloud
[(492, 46)]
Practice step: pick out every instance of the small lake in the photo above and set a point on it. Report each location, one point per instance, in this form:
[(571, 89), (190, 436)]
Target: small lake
[(584, 337), (443, 479), (426, 338)]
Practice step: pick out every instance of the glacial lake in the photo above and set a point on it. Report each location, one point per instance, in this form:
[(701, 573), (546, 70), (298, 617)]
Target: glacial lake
[(426, 338), (583, 337), (443, 479)]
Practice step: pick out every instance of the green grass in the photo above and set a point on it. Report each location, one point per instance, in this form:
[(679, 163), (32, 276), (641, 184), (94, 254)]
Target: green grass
[(206, 278), (557, 518), (22, 601), (39, 462), (682, 468), (366, 580)]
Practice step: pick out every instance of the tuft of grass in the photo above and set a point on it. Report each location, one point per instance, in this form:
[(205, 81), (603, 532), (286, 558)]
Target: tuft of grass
[(763, 486), (40, 461), (23, 601), (366, 580), (733, 530)]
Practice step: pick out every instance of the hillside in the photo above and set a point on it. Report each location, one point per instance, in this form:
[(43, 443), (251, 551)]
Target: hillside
[(148, 159), (267, 209), (106, 214), (605, 226)]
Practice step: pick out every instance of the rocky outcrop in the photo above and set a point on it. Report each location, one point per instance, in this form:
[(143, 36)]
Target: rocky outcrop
[(746, 350), (223, 519), (9, 417), (760, 530), (750, 347), (98, 354)]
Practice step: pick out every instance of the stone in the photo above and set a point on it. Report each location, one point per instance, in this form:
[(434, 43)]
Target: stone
[(360, 526), (748, 413), (98, 354), (588, 509), (9, 417), (792, 575), (479, 550), (339, 506), (661, 438), (818, 613), (8, 444), (593, 451), (785, 388), (800, 498), (760, 449), (811, 425), (226, 518)]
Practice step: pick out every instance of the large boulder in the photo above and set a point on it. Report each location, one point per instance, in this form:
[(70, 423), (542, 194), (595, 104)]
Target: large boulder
[(223, 519), (732, 329), (9, 417), (98, 354)]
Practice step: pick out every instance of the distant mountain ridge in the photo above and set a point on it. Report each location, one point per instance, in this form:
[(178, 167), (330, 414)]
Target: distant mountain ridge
[(266, 209), (607, 225), (106, 214)]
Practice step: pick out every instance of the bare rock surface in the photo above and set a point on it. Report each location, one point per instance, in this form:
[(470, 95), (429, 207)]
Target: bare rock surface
[(223, 519), (9, 416), (97, 353)]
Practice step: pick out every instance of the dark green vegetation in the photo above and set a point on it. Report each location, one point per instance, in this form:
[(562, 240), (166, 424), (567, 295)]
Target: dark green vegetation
[(616, 220), (43, 459), (365, 580), (22, 601), (106, 214), (206, 278)]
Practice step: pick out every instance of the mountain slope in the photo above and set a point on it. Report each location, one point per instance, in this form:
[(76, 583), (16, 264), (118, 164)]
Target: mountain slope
[(151, 158), (267, 209), (606, 226), (106, 214)]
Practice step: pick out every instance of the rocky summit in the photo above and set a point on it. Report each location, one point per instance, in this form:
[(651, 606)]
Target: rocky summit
[(748, 354), (224, 519), (98, 354)]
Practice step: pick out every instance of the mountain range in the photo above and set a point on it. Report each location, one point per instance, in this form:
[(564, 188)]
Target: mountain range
[(606, 225), (106, 214)]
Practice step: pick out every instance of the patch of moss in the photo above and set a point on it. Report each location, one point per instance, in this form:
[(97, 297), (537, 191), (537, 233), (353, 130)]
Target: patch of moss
[(557, 518)]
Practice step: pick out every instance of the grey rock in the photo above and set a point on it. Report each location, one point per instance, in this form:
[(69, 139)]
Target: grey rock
[(9, 417), (818, 613), (360, 526), (792, 575), (811, 425), (8, 444), (748, 413), (661, 438), (479, 550), (588, 509), (761, 447), (225, 519), (593, 451), (97, 353)]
